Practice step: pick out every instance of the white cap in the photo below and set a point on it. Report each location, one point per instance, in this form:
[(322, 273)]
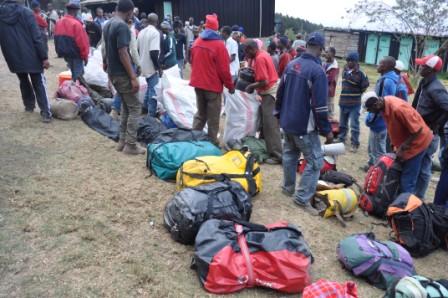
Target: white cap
[(368, 95), (399, 65)]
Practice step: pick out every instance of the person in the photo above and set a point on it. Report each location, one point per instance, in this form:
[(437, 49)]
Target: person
[(84, 12), (53, 17), (168, 58), (188, 29), (266, 84), (118, 63), (41, 22), (149, 48), (236, 35), (405, 87), (291, 50), (272, 50), (71, 40), (285, 57), (431, 101), (135, 20), (28, 58), (232, 49), (332, 71), (181, 49), (303, 91), (190, 45), (354, 84), (143, 15), (299, 42), (99, 17), (441, 197), (300, 50), (409, 135), (210, 70), (93, 30)]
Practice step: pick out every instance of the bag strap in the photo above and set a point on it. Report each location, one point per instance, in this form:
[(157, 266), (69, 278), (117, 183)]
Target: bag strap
[(249, 174)]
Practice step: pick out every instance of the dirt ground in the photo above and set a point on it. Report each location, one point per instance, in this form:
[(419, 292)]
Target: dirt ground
[(78, 219)]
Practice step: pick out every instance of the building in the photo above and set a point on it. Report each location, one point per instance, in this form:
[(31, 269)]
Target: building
[(372, 46), (257, 17)]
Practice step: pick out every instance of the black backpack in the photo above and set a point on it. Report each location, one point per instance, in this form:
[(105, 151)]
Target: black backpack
[(440, 223)]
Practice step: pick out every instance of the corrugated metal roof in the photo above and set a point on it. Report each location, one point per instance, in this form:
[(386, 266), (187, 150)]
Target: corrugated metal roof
[(97, 2)]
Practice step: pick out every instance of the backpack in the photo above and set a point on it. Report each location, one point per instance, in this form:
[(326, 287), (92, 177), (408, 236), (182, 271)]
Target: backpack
[(341, 203), (440, 223), (380, 263), (233, 255), (191, 207), (257, 147), (239, 166), (336, 177), (165, 159), (412, 223), (418, 287), (330, 289), (329, 165), (381, 186), (149, 129), (71, 91)]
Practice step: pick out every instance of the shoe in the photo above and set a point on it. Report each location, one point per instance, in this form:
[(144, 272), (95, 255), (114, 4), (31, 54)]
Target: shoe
[(272, 161), (354, 148), (46, 119), (365, 168), (307, 208), (29, 110), (120, 146), (133, 149), (114, 114), (287, 193)]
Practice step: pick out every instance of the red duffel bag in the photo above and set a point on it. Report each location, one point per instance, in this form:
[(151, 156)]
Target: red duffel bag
[(230, 256)]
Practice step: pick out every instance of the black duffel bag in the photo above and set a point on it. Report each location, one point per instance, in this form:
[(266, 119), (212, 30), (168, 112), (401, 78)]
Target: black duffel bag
[(149, 128), (180, 135), (190, 207)]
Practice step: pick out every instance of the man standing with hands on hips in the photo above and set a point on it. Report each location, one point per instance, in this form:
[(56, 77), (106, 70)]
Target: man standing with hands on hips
[(302, 108)]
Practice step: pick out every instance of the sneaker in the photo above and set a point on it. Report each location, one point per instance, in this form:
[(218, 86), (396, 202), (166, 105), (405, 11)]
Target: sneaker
[(365, 168), (272, 161), (29, 110), (354, 148), (287, 193), (307, 208), (133, 149), (46, 119), (114, 114), (120, 146)]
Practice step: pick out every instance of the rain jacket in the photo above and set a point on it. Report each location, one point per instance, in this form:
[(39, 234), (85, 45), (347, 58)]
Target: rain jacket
[(70, 39)]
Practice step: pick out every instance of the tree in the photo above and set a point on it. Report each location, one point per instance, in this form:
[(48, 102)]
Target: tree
[(419, 18), (297, 25)]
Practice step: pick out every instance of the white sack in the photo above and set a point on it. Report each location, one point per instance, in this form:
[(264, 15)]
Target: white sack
[(179, 101), (93, 72)]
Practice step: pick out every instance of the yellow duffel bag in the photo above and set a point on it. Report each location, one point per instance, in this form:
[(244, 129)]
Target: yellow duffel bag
[(238, 166), (341, 203)]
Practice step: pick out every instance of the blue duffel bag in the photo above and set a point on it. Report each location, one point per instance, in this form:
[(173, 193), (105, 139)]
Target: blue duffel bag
[(165, 159)]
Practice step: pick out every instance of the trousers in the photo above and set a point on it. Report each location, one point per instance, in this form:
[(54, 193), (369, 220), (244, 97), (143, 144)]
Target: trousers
[(33, 87), (209, 111)]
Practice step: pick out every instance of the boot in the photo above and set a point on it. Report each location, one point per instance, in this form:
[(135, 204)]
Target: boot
[(133, 149), (120, 145)]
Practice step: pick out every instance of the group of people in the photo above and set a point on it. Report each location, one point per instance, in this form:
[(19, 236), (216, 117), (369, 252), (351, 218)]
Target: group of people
[(296, 89)]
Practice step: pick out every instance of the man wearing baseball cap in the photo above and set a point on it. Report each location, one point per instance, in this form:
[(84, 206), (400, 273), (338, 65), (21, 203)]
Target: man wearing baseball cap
[(303, 112), (409, 135), (431, 101)]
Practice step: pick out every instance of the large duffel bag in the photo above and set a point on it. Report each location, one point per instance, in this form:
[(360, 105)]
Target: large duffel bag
[(341, 203), (239, 166), (191, 207), (418, 287), (149, 129), (412, 224), (381, 186), (165, 159), (380, 263), (101, 122), (180, 134), (230, 256)]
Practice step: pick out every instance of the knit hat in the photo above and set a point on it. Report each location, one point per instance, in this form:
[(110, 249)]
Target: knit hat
[(211, 22), (353, 56), (73, 4)]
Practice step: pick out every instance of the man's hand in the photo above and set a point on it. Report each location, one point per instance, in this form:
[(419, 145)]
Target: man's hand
[(329, 138), (138, 71), (46, 64), (401, 150), (249, 89), (135, 85), (232, 91)]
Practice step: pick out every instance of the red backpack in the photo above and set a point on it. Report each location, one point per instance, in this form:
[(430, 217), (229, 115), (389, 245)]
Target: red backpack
[(381, 186)]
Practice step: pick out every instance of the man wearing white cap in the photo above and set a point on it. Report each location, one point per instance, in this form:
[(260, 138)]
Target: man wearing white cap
[(399, 69), (431, 101), (402, 89)]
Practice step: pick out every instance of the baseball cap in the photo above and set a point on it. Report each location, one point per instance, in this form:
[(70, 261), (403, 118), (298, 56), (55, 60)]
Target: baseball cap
[(432, 61), (399, 65), (317, 39), (73, 4), (366, 96), (353, 56)]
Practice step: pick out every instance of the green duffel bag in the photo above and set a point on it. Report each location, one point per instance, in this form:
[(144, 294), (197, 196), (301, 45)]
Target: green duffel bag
[(165, 159), (257, 147)]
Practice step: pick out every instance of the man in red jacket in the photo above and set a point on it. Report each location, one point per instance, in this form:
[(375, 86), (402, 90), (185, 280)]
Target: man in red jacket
[(210, 70), (41, 22), (71, 40)]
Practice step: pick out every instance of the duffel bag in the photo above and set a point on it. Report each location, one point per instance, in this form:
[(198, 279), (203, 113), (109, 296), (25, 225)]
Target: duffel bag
[(331, 289), (230, 256), (381, 186), (239, 166), (341, 203), (336, 177), (191, 207), (418, 287), (380, 263), (180, 134), (164, 160), (412, 223), (149, 129)]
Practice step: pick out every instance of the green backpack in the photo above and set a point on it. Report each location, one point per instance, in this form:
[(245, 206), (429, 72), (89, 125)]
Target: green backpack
[(257, 147), (418, 287)]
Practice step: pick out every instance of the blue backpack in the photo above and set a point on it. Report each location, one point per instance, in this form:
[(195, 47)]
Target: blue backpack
[(165, 159)]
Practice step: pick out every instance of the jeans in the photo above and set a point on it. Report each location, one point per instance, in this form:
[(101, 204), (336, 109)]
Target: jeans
[(330, 104), (33, 87), (150, 102), (426, 168), (116, 104), (181, 64), (309, 145), (209, 111), (352, 114), (441, 197), (377, 146), (412, 169), (76, 66)]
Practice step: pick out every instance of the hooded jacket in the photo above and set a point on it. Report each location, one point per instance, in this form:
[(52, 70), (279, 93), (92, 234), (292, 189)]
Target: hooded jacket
[(302, 97), (210, 63), (20, 39), (70, 39)]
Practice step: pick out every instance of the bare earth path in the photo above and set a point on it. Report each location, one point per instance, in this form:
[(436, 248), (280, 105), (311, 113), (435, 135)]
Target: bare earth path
[(78, 219)]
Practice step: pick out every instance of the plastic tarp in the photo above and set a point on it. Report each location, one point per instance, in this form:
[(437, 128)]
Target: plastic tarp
[(242, 117), (94, 73)]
